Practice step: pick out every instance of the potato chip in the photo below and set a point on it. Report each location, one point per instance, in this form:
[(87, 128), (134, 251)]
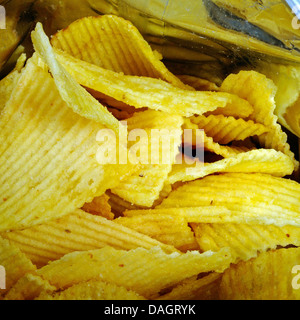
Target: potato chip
[(15, 264), (168, 229), (28, 288), (160, 138), (76, 97), (141, 92), (119, 205), (92, 290), (146, 272), (292, 116), (100, 207), (251, 198), (198, 83), (205, 288), (273, 275), (255, 161), (48, 155), (209, 143), (262, 98), (245, 240), (8, 84), (287, 80), (224, 130), (113, 43), (78, 231), (118, 109)]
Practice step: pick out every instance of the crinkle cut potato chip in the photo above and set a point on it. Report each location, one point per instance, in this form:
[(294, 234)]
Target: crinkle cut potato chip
[(141, 92), (113, 43), (256, 161), (198, 83), (226, 151), (168, 229), (273, 275), (146, 272), (227, 129), (76, 97), (262, 98), (78, 231), (48, 155), (205, 288), (15, 265), (245, 240), (287, 80), (158, 147), (91, 290), (8, 84), (250, 198), (28, 288)]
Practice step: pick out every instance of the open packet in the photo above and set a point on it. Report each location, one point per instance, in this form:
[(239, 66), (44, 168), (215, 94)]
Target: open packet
[(149, 150)]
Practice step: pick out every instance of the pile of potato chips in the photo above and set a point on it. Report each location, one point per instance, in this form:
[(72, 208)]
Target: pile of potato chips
[(73, 228)]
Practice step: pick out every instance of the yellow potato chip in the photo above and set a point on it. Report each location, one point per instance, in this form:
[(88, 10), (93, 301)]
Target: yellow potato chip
[(78, 231), (76, 97), (262, 98), (48, 162), (141, 92), (113, 43), (28, 288), (255, 161), (273, 275), (146, 272), (91, 290), (100, 207), (160, 138), (120, 110), (168, 229), (227, 129), (198, 83), (226, 212), (292, 116), (8, 84), (209, 143), (205, 288), (287, 80), (250, 198), (119, 205), (15, 265), (245, 240)]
